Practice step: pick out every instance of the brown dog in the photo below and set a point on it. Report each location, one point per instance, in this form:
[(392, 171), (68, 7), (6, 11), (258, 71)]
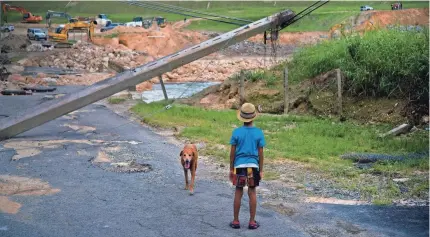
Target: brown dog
[(189, 158)]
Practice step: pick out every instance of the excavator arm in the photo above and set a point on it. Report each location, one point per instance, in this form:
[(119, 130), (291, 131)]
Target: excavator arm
[(51, 14), (27, 17)]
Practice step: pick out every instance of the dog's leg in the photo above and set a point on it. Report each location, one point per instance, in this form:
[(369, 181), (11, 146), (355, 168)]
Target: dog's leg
[(186, 178), (193, 176)]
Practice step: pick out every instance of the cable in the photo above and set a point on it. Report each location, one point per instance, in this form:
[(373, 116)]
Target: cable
[(303, 13), (179, 13), (198, 12)]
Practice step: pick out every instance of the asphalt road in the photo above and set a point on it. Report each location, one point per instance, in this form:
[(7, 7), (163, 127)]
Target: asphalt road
[(95, 201)]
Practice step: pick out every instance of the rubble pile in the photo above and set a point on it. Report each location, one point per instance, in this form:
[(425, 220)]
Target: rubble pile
[(38, 48), (13, 43), (216, 69), (88, 57)]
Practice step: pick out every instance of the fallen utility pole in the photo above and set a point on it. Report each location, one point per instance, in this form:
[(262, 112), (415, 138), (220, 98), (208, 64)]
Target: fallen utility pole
[(98, 91)]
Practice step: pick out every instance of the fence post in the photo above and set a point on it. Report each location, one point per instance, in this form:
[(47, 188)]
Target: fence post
[(242, 88), (286, 95), (339, 91), (162, 87)]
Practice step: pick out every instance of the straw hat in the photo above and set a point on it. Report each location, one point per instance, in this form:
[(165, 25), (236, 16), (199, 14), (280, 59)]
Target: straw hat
[(247, 113)]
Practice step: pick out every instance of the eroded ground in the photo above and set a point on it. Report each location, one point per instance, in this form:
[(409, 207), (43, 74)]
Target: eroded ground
[(126, 179)]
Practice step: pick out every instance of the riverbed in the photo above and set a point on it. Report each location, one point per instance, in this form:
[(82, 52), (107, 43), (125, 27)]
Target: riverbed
[(175, 90)]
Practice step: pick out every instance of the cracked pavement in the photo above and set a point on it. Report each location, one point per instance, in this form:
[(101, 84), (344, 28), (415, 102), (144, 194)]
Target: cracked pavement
[(97, 202)]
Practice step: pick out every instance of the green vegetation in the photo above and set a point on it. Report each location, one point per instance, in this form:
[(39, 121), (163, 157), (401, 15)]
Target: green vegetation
[(113, 35), (321, 19), (316, 141), (116, 100), (381, 63)]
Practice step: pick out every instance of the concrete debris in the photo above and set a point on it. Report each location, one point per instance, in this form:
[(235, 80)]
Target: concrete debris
[(402, 129), (38, 48)]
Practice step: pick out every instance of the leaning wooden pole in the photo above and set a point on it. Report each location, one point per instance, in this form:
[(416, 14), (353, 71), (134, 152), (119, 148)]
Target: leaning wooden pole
[(98, 91)]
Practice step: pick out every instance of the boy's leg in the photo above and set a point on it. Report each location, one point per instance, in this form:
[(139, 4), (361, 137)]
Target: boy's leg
[(237, 201), (252, 194)]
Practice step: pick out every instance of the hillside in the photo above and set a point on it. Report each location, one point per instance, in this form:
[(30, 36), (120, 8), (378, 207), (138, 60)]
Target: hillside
[(320, 20)]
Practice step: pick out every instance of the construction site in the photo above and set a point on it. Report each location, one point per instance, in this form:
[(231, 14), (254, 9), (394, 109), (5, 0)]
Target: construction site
[(95, 109)]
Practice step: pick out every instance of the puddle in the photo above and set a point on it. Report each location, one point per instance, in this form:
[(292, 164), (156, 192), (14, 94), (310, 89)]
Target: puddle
[(333, 201), (21, 186)]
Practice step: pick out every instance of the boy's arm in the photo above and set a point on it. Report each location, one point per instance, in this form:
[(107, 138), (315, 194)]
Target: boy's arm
[(232, 153), (261, 158)]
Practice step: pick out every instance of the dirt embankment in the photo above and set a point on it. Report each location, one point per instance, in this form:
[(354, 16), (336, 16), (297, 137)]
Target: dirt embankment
[(413, 16), (316, 96)]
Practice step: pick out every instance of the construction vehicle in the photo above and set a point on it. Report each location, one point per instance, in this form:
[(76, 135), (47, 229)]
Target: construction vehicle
[(79, 22), (146, 22), (61, 33), (161, 22), (46, 112), (27, 17), (102, 20), (397, 6), (51, 14)]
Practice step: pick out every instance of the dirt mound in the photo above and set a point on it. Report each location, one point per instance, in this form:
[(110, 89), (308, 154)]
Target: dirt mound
[(14, 43), (154, 42), (411, 16)]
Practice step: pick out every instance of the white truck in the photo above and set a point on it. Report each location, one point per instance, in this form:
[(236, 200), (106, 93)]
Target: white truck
[(102, 20), (140, 22)]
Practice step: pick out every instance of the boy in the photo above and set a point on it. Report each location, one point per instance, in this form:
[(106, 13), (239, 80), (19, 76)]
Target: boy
[(246, 162)]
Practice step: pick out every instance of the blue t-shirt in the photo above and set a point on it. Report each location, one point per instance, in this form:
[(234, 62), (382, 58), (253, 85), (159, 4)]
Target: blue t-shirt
[(247, 141)]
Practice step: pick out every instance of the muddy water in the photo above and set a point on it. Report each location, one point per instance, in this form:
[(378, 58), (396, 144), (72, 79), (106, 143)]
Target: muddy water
[(175, 90)]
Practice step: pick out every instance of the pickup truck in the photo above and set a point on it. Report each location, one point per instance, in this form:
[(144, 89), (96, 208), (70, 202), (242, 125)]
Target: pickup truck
[(102, 20), (7, 28)]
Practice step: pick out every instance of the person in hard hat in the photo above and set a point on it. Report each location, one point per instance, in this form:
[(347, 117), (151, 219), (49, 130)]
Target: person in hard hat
[(246, 162)]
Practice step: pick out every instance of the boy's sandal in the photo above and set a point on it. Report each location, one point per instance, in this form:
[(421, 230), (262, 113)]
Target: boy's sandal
[(235, 224), (253, 225)]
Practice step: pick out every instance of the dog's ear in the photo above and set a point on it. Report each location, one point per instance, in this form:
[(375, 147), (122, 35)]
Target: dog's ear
[(180, 154), (195, 155)]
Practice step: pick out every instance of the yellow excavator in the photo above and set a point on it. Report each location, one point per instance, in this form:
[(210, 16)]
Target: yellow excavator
[(61, 33)]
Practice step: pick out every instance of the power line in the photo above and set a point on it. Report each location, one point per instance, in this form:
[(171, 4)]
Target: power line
[(146, 5), (198, 12)]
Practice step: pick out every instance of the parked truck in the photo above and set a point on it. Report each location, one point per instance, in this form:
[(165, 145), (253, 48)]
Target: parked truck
[(102, 20)]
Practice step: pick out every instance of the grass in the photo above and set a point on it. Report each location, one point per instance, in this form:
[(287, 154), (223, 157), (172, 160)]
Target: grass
[(380, 63), (315, 141), (322, 19), (116, 100)]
